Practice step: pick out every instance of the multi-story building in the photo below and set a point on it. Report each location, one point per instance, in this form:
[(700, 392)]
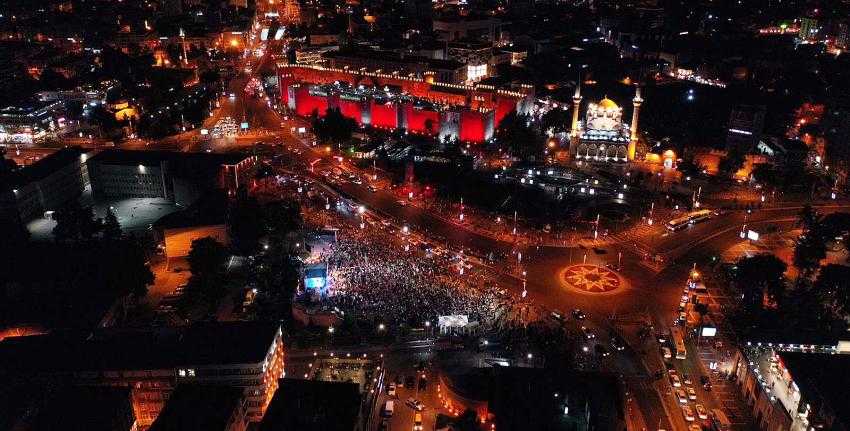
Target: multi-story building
[(603, 136), (453, 27), (46, 185), (795, 387), (746, 124), (178, 177), (30, 123), (245, 355), (467, 113), (391, 62), (203, 407)]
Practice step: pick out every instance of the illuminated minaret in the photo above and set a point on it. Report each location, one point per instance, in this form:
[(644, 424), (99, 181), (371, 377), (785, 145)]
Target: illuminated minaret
[(634, 126), (576, 104), (183, 46)]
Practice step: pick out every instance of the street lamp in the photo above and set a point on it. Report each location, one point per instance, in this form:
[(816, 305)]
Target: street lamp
[(381, 327)]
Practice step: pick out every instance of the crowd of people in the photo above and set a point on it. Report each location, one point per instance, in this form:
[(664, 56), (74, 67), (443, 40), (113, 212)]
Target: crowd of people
[(380, 274)]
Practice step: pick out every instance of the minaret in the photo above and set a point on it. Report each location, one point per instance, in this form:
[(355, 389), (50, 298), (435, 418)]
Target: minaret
[(576, 104), (634, 126)]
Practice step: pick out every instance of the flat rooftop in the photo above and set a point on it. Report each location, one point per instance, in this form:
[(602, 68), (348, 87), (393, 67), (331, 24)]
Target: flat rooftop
[(139, 349), (310, 405), (48, 165), (822, 375), (199, 407), (142, 157)]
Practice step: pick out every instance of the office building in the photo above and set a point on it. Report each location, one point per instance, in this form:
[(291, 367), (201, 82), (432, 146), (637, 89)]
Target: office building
[(203, 407), (46, 185), (178, 177), (152, 362), (746, 124)]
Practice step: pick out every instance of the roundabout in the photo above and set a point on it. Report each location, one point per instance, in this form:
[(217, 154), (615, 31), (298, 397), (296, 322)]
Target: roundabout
[(587, 278)]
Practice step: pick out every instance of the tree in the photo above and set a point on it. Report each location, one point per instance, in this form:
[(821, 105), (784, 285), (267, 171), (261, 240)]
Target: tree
[(808, 253), (333, 127), (245, 222), (809, 218), (74, 222), (207, 258), (521, 138), (732, 162), (833, 287), (556, 119), (282, 218), (111, 227), (759, 276)]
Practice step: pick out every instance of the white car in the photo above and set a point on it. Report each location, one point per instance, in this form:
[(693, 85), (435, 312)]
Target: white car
[(692, 394), (688, 413), (675, 381), (701, 412), (391, 390), (680, 395)]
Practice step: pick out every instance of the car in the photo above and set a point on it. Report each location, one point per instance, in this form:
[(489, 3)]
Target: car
[(402, 202), (417, 422), (601, 350), (557, 315), (415, 404), (578, 314), (675, 381), (683, 317), (680, 395), (688, 413), (692, 394), (694, 427), (685, 298), (588, 333), (372, 189), (665, 351), (391, 390), (687, 379), (357, 181), (702, 413), (618, 343)]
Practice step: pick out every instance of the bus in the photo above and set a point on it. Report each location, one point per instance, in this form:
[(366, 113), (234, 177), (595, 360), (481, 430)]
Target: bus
[(688, 219), (679, 344), (719, 421)]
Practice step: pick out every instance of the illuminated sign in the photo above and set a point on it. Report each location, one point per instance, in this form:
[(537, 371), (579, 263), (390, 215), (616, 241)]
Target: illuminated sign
[(752, 235), (709, 331)]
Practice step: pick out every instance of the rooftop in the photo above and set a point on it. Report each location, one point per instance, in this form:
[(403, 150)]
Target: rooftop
[(48, 165), (99, 408), (139, 349), (310, 405), (199, 407), (822, 376), (139, 157)]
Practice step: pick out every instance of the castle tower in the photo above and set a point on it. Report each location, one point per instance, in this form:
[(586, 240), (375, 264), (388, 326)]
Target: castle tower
[(576, 104), (634, 126)]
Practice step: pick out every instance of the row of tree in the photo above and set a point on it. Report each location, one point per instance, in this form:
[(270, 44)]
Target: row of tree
[(818, 300)]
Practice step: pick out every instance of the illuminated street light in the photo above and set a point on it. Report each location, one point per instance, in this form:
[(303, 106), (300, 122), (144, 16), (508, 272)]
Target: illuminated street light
[(331, 331), (381, 327)]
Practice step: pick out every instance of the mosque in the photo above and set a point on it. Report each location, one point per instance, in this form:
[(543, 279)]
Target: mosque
[(603, 136)]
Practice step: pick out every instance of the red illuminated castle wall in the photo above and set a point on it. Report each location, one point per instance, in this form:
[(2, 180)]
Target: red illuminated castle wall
[(480, 108)]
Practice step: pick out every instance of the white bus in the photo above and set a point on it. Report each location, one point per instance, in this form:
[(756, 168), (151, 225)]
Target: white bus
[(688, 219), (679, 344)]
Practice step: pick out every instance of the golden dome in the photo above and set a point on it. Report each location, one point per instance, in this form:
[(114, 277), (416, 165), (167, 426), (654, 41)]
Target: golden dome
[(607, 103)]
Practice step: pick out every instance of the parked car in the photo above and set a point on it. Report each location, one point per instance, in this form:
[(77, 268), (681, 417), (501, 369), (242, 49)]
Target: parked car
[(681, 396), (702, 413), (675, 381), (688, 412)]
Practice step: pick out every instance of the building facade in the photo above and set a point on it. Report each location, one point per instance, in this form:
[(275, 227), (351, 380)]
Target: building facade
[(46, 185), (247, 355), (603, 136)]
